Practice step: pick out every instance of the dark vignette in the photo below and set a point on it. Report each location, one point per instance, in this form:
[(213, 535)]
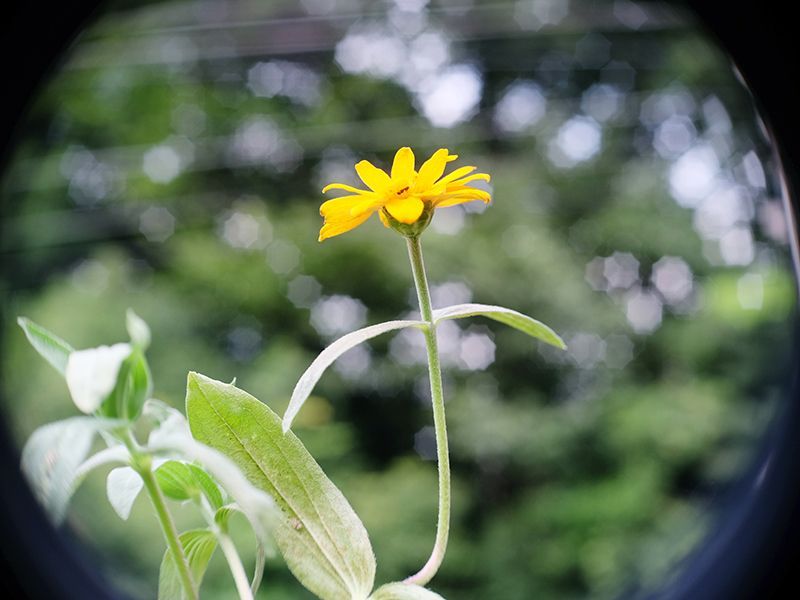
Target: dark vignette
[(749, 554)]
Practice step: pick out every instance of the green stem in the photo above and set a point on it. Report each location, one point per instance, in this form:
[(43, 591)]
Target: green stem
[(243, 587), (426, 573), (143, 465), (235, 565)]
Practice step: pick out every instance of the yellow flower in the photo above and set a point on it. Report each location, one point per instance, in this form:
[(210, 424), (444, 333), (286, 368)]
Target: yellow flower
[(403, 197)]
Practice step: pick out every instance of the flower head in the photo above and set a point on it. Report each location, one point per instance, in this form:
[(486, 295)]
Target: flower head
[(404, 198)]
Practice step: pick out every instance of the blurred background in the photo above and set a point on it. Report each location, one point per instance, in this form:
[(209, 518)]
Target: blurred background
[(173, 164)]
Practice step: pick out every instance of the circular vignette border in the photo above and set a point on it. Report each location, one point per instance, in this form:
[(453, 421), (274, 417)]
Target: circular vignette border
[(747, 555)]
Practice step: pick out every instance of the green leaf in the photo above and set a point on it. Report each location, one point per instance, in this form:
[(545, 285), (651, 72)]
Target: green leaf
[(199, 546), (138, 330), (322, 540), (133, 386), (404, 591), (122, 487), (185, 481), (309, 379), (53, 456), (173, 438), (51, 347), (506, 316)]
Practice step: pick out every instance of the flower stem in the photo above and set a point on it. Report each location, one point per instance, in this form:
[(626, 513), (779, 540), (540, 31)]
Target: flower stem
[(143, 465), (426, 573)]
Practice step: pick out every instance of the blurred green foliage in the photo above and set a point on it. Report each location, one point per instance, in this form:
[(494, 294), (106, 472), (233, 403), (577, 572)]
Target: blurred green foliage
[(584, 474)]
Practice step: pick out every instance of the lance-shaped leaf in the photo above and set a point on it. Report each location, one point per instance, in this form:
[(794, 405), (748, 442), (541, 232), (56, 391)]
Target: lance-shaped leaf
[(199, 546), (325, 358), (404, 591), (51, 347), (322, 539), (503, 315), (52, 459)]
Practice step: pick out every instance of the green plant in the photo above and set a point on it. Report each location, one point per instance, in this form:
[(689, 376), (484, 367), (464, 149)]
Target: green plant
[(232, 453)]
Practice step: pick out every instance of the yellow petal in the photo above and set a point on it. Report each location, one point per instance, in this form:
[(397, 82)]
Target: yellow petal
[(456, 178), (339, 207), (431, 170), (375, 179), (462, 197), (369, 205), (432, 192), (455, 201), (403, 165), (345, 187), (452, 157), (464, 180), (407, 210), (460, 172), (384, 220), (330, 229), (465, 189)]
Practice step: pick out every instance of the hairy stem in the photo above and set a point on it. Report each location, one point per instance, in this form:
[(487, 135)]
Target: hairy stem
[(426, 573), (143, 465)]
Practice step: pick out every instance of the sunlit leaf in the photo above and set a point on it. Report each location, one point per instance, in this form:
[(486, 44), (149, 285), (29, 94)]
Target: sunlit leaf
[(322, 539), (198, 546), (503, 315), (51, 347), (92, 375), (52, 459), (309, 379), (122, 487), (404, 591)]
